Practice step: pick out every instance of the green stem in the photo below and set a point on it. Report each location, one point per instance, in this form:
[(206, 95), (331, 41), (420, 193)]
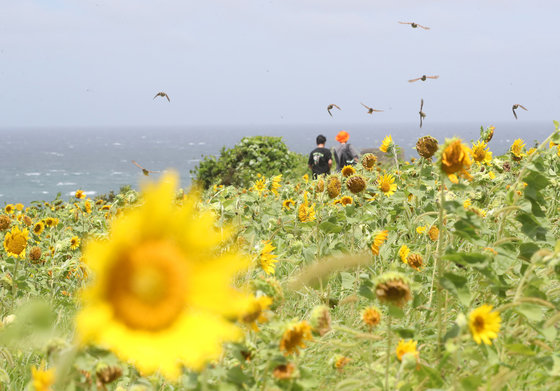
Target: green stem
[(388, 358), (14, 285), (438, 264)]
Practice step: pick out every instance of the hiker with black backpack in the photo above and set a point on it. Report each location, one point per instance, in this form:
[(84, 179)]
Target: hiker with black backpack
[(344, 154), (320, 159)]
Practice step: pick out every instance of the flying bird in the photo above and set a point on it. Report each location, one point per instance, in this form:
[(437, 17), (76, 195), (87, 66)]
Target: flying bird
[(414, 25), (330, 107), (515, 107), (423, 78), (370, 110), (163, 95), (144, 171), (422, 114)]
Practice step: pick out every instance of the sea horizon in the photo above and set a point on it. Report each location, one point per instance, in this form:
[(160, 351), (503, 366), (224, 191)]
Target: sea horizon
[(37, 163)]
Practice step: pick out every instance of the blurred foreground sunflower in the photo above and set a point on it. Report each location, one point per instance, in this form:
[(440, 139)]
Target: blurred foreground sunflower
[(484, 324), (162, 295)]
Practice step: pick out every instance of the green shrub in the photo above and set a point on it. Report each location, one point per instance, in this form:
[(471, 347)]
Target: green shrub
[(239, 165)]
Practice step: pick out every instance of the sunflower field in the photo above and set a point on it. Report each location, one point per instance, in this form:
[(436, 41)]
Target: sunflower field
[(438, 273)]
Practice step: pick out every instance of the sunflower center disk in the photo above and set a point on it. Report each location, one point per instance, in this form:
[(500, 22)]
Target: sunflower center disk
[(147, 286), (479, 323)]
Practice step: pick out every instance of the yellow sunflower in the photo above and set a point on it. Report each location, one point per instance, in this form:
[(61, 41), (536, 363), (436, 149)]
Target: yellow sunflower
[(74, 242), (378, 240), (386, 184), (346, 200), (455, 158), (516, 149), (275, 184), (87, 206), (405, 347), (19, 207), (421, 229), (267, 259), (484, 324), (288, 204), (371, 316), (256, 312), (386, 144), (348, 171), (306, 213), (259, 186), (480, 152), (403, 252), (294, 337), (162, 297), (80, 194), (9, 209), (305, 178), (42, 379), (15, 242)]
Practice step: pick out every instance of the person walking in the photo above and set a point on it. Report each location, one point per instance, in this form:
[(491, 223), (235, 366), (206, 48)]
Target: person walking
[(345, 154), (320, 159)]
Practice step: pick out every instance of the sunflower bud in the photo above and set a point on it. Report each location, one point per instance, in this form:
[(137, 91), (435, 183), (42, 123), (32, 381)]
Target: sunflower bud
[(369, 160), (35, 254), (107, 374), (333, 186), (321, 320), (5, 222), (393, 288), (320, 186), (426, 146), (356, 184), (415, 261), (433, 233)]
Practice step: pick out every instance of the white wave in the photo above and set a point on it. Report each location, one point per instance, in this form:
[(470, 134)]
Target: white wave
[(202, 143), (32, 174), (53, 170), (44, 192), (77, 173), (66, 184), (55, 154), (191, 143), (117, 144), (117, 172), (89, 193)]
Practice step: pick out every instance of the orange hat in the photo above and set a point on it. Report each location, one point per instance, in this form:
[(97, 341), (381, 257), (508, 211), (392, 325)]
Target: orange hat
[(342, 136)]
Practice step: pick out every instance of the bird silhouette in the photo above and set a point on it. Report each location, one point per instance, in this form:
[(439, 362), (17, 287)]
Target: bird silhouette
[(423, 78), (422, 114), (515, 107), (415, 25), (144, 171), (330, 107), (370, 110), (163, 95)]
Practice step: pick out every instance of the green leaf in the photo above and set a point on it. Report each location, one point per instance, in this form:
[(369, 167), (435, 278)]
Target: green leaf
[(526, 250), (519, 348), (466, 229), (405, 333), (347, 280), (329, 227), (395, 311), (465, 258), (531, 311), (366, 292), (471, 383), (531, 227)]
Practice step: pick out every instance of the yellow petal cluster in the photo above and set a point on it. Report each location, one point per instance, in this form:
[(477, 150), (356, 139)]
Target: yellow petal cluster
[(162, 297)]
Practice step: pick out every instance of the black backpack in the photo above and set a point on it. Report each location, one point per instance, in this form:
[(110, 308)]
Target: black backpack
[(346, 158)]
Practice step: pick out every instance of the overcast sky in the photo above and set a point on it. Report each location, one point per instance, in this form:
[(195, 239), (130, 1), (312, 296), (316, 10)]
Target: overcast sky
[(100, 62)]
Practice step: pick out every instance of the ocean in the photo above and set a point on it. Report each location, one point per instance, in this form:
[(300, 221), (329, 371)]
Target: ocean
[(38, 163)]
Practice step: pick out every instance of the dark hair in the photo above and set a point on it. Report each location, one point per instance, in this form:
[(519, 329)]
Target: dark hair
[(321, 139)]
